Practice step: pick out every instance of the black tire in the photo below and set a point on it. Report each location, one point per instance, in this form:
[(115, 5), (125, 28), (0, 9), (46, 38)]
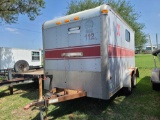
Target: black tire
[(127, 91), (155, 86), (134, 80), (21, 66)]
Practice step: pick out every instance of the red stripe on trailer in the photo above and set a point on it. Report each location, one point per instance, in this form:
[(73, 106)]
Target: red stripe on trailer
[(93, 45), (93, 57), (88, 52), (117, 51)]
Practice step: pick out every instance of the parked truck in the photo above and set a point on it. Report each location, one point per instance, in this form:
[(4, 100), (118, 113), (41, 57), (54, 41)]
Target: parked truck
[(19, 59), (89, 53), (155, 75)]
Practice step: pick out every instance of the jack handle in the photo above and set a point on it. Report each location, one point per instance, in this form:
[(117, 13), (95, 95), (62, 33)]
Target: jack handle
[(38, 104), (29, 106)]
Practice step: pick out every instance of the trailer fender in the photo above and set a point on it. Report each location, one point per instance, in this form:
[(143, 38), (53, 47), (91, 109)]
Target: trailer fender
[(134, 71), (137, 72), (127, 79)]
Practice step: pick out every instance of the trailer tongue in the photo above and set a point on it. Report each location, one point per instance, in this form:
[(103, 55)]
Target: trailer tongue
[(57, 95), (54, 96)]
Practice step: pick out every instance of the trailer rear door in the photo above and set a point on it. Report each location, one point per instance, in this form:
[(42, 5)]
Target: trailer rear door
[(72, 53)]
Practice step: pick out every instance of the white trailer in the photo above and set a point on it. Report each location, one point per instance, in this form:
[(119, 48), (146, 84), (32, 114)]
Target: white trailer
[(92, 51), (19, 59)]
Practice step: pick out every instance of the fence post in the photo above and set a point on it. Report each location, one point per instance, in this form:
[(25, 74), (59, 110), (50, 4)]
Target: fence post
[(152, 51)]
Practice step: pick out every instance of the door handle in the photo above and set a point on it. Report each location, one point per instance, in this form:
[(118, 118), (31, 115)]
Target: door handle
[(73, 54)]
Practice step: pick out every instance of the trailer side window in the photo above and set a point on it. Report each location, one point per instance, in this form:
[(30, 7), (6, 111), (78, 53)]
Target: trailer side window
[(127, 35), (35, 55)]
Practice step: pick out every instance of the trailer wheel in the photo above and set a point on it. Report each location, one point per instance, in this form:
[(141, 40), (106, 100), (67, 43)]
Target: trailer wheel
[(21, 66), (127, 91)]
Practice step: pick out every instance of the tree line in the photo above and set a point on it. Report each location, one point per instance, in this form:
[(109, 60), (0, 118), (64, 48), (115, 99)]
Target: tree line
[(11, 9)]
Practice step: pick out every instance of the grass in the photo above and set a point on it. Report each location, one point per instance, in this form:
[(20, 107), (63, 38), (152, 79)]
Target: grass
[(2, 77), (143, 104), (12, 105), (144, 61)]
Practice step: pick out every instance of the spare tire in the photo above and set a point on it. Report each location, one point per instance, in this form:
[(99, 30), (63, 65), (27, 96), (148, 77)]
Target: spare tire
[(21, 66)]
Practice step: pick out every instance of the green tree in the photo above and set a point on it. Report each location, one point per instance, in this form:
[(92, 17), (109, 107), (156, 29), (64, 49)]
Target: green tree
[(80, 5), (11, 9), (123, 7), (126, 10)]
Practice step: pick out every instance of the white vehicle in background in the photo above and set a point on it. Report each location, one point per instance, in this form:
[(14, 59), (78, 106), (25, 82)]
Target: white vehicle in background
[(19, 59)]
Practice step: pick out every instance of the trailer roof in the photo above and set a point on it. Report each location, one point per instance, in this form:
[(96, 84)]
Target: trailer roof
[(21, 49), (82, 15)]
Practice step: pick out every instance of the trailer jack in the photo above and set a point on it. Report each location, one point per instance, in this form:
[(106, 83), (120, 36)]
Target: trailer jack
[(56, 95)]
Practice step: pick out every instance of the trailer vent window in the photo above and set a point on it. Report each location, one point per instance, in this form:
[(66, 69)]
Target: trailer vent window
[(35, 56), (74, 30), (127, 35)]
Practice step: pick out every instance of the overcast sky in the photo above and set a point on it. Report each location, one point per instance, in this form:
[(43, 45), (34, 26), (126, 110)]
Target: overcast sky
[(27, 34)]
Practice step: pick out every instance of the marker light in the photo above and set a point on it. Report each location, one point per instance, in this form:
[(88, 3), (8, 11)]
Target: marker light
[(67, 20), (58, 23), (76, 18), (105, 11)]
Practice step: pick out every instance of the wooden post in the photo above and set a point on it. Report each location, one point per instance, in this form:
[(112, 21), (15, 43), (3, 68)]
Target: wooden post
[(40, 87), (11, 89), (10, 78)]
